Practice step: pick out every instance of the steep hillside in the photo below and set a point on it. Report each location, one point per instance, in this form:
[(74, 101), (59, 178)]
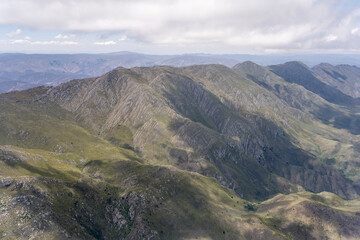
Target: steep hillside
[(296, 72), (329, 131), (185, 117), (346, 78), (123, 199), (200, 152)]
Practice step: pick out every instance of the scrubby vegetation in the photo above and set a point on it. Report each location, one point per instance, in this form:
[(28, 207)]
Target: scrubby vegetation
[(203, 152)]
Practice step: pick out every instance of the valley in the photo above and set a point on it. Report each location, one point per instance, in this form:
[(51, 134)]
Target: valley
[(193, 152)]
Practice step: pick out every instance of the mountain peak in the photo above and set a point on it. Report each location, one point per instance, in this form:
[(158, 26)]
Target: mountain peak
[(324, 65), (246, 64), (171, 151), (295, 64)]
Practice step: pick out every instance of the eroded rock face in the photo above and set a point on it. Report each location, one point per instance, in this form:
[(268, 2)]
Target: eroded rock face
[(175, 109), (6, 182), (8, 157), (148, 150), (32, 211), (138, 205), (25, 212)]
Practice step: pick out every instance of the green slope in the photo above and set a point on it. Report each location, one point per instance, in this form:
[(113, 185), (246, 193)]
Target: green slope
[(327, 130), (172, 153)]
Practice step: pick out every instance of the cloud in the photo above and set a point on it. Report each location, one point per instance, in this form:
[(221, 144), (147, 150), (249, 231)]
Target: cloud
[(26, 40), (14, 33), (331, 37), (69, 43), (105, 43), (123, 38), (240, 24), (20, 41), (54, 43), (60, 36)]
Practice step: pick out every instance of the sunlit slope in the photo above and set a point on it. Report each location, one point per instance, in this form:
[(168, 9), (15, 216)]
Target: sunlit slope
[(175, 153), (45, 198), (209, 119), (327, 130)]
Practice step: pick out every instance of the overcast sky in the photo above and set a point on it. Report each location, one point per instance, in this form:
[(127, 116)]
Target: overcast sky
[(180, 26)]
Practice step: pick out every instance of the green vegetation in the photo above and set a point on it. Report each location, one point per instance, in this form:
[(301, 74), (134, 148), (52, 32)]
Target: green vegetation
[(204, 152)]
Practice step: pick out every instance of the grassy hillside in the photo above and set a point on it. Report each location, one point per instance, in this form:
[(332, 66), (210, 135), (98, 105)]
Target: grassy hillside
[(327, 130), (202, 152)]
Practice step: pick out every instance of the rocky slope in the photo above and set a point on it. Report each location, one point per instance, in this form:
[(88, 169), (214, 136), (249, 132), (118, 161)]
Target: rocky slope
[(327, 130), (175, 116), (23, 71), (178, 153), (296, 72), (346, 78)]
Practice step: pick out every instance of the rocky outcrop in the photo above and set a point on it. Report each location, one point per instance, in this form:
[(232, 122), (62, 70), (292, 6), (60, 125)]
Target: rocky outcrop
[(142, 153), (194, 110)]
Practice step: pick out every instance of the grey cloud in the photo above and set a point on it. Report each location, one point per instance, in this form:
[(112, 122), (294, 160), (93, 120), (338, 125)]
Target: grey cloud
[(256, 24)]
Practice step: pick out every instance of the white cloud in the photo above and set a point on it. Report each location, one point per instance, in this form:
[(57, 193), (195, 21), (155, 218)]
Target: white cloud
[(105, 43), (354, 30), (54, 43), (60, 36), (331, 37), (27, 38), (20, 41), (123, 38), (44, 42), (69, 43), (240, 24), (14, 33)]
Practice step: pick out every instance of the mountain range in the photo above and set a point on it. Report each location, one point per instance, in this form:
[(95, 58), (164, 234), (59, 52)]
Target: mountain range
[(208, 151), (23, 71)]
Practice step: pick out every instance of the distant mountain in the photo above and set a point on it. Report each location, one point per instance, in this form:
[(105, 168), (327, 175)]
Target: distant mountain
[(296, 72), (161, 152), (345, 78), (22, 71)]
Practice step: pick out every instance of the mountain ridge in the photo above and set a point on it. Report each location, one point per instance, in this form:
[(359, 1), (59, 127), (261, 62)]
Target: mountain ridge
[(346, 78), (29, 70), (204, 151), (205, 118)]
